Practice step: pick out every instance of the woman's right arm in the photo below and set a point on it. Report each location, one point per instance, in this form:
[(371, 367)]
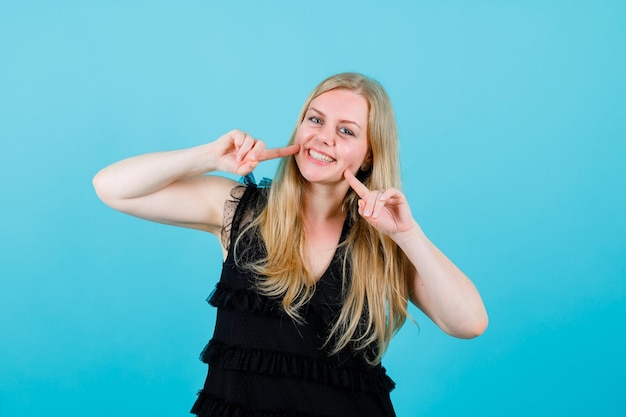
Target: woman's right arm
[(171, 188)]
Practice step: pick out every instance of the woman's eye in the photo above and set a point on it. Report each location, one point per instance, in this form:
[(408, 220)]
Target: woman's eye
[(346, 131), (316, 120)]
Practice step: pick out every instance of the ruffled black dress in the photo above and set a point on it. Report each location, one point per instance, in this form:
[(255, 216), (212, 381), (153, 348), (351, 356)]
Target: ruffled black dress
[(263, 364)]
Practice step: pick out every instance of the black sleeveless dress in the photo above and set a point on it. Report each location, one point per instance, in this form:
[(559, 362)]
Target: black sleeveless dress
[(263, 364)]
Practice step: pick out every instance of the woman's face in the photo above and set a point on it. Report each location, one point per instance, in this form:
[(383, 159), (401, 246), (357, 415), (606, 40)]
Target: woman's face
[(333, 136)]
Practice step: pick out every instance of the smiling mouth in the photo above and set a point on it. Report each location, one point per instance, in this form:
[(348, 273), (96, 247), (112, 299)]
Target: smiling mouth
[(320, 157)]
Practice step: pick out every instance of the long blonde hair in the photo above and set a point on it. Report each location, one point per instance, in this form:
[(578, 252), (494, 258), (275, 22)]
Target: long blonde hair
[(376, 290)]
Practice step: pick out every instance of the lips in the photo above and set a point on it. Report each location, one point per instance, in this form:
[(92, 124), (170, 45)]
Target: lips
[(320, 156)]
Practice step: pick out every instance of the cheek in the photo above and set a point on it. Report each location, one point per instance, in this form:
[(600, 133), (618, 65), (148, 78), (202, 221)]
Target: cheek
[(300, 135), (361, 151), (355, 155)]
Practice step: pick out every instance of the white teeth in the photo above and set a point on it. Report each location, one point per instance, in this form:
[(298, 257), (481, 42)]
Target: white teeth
[(319, 156)]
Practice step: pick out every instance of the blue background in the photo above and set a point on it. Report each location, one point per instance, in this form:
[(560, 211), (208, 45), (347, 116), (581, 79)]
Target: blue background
[(513, 131)]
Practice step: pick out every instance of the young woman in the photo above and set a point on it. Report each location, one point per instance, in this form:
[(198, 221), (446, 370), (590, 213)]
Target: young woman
[(319, 266)]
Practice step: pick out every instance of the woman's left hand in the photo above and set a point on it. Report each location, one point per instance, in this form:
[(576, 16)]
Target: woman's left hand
[(386, 210)]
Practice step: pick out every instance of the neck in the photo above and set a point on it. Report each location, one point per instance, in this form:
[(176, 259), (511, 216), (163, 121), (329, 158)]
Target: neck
[(322, 203)]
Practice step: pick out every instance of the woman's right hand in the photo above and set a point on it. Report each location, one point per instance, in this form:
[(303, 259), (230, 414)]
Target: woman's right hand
[(239, 153)]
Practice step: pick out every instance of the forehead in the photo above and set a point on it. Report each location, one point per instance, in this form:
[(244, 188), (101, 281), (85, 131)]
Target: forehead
[(342, 104)]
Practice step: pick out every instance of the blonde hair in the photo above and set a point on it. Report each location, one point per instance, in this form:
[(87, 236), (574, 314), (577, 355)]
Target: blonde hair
[(376, 291)]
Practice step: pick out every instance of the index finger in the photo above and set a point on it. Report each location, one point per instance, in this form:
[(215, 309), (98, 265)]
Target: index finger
[(279, 152), (356, 185)]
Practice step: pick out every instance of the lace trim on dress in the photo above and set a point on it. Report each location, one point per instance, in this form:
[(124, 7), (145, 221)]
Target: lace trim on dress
[(230, 206), (221, 355), (208, 405), (248, 299), (242, 300)]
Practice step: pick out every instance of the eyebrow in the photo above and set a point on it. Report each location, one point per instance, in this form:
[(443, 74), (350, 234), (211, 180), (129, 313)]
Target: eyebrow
[(342, 121)]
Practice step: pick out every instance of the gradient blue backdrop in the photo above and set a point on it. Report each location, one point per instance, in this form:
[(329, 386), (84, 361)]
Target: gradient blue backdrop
[(513, 130)]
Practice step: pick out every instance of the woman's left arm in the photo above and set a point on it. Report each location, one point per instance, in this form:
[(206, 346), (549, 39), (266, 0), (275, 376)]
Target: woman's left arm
[(440, 289)]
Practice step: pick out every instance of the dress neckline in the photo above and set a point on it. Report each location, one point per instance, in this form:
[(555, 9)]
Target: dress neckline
[(338, 250)]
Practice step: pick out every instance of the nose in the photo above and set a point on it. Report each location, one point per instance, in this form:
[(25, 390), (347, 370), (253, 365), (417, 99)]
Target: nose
[(326, 135)]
